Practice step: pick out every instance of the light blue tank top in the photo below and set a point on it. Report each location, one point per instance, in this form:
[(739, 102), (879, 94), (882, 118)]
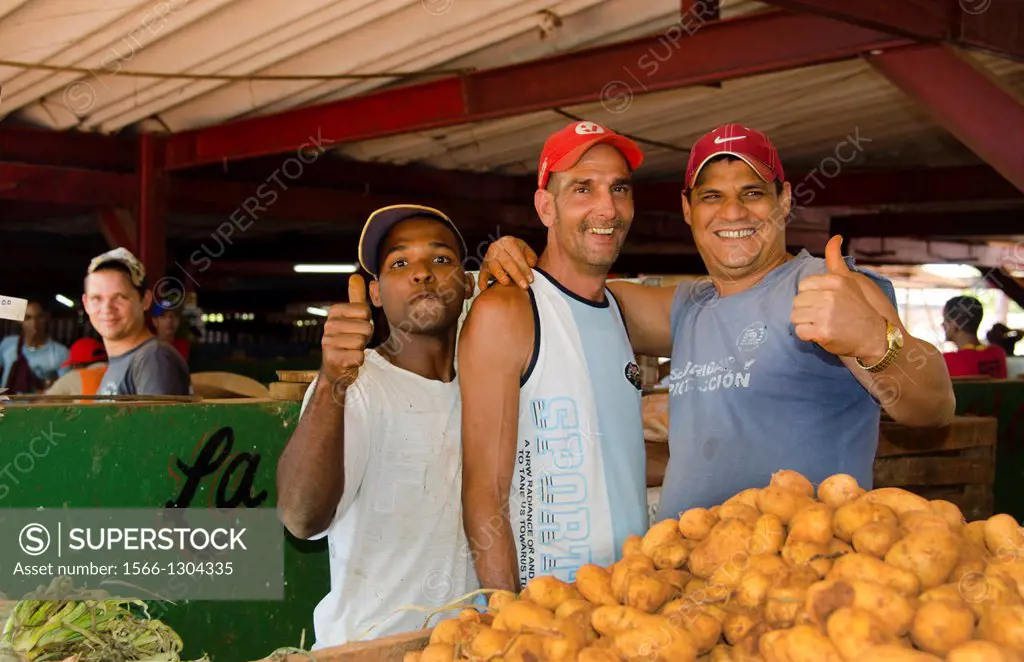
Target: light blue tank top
[(580, 485), (747, 397)]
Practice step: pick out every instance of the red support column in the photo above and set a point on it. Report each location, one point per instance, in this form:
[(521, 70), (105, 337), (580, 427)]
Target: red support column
[(152, 211), (963, 98)]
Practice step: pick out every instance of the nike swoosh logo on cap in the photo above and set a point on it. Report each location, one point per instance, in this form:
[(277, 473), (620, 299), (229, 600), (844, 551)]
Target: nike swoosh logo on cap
[(719, 139)]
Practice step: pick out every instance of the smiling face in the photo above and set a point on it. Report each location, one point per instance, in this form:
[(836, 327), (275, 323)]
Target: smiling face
[(115, 308), (589, 208), (422, 285), (738, 220)]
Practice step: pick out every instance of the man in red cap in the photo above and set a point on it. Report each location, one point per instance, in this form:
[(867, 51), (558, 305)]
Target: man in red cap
[(87, 363), (553, 452), (780, 361)]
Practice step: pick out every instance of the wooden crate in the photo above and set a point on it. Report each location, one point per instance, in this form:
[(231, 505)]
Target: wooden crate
[(384, 649), (955, 463)]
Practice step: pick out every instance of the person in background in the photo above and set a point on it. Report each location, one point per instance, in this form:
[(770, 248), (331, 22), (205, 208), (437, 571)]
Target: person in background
[(167, 322), (554, 463), (86, 365), (116, 298), (1007, 338), (374, 462), (961, 319), (32, 360)]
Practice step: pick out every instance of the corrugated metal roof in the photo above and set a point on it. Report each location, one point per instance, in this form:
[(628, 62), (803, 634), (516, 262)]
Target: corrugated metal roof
[(807, 112)]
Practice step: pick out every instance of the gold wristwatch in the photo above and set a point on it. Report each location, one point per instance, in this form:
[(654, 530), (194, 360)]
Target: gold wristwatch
[(894, 337)]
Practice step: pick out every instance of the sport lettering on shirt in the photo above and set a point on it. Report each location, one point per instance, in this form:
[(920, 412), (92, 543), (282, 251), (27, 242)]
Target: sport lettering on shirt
[(562, 519)]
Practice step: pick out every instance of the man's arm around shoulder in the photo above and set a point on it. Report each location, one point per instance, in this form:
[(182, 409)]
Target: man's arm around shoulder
[(495, 347), (647, 312)]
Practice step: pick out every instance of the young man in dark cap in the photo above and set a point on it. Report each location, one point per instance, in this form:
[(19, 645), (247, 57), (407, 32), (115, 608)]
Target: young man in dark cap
[(779, 361), (554, 462), (374, 462)]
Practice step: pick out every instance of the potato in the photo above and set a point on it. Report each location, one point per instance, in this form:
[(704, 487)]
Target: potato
[(940, 626), (981, 651), (525, 647), (741, 511), (807, 553), (792, 480), (632, 545), (786, 597), (983, 592), (1004, 625), (975, 532), (768, 565), (853, 631), (739, 624), (447, 631), (609, 621), (670, 555), (895, 653), (950, 512), (597, 654), (861, 566), (696, 523), (812, 524), (890, 609), (747, 497), (782, 503), (621, 571), (851, 516), (837, 547), (521, 615), (769, 535), (876, 538), (705, 629), (1010, 570), (898, 500), (728, 538), (973, 561), (573, 635), (656, 641), (772, 646), (929, 553), (721, 653), (647, 592), (665, 531), (491, 642), (577, 606), (806, 643), (594, 583), (944, 593), (729, 575), (499, 599), (437, 653), (549, 592), (916, 520), (677, 579), (752, 590), (1004, 536), (838, 490), (719, 612)]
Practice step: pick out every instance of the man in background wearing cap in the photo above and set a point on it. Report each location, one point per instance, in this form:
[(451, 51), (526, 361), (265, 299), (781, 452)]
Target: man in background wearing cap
[(116, 298), (779, 361), (86, 364), (374, 462), (553, 451)]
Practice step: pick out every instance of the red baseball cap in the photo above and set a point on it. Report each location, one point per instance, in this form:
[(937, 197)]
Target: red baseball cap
[(562, 150), (756, 150), (84, 351)]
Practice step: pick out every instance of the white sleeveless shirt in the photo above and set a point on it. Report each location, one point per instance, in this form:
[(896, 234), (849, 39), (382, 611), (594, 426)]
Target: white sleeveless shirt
[(579, 485)]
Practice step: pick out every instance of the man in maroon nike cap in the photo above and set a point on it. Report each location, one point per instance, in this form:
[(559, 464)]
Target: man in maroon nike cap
[(780, 361), (553, 450)]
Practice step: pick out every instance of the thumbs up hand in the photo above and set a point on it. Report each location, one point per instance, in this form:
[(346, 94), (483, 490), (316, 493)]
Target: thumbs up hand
[(830, 309), (347, 331)]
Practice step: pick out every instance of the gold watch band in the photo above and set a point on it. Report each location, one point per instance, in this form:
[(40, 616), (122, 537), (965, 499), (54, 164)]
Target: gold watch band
[(890, 354)]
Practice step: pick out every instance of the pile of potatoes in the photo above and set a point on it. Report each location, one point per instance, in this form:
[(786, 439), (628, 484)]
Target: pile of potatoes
[(784, 573)]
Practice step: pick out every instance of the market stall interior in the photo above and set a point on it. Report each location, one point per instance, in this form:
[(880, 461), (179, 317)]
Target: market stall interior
[(236, 147)]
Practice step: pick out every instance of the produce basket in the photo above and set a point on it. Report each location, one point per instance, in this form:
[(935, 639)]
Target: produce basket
[(383, 649)]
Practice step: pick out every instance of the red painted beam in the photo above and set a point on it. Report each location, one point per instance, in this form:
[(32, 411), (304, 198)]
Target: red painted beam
[(963, 98), (700, 54), (152, 210), (68, 186), (996, 26), (66, 148), (119, 229)]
